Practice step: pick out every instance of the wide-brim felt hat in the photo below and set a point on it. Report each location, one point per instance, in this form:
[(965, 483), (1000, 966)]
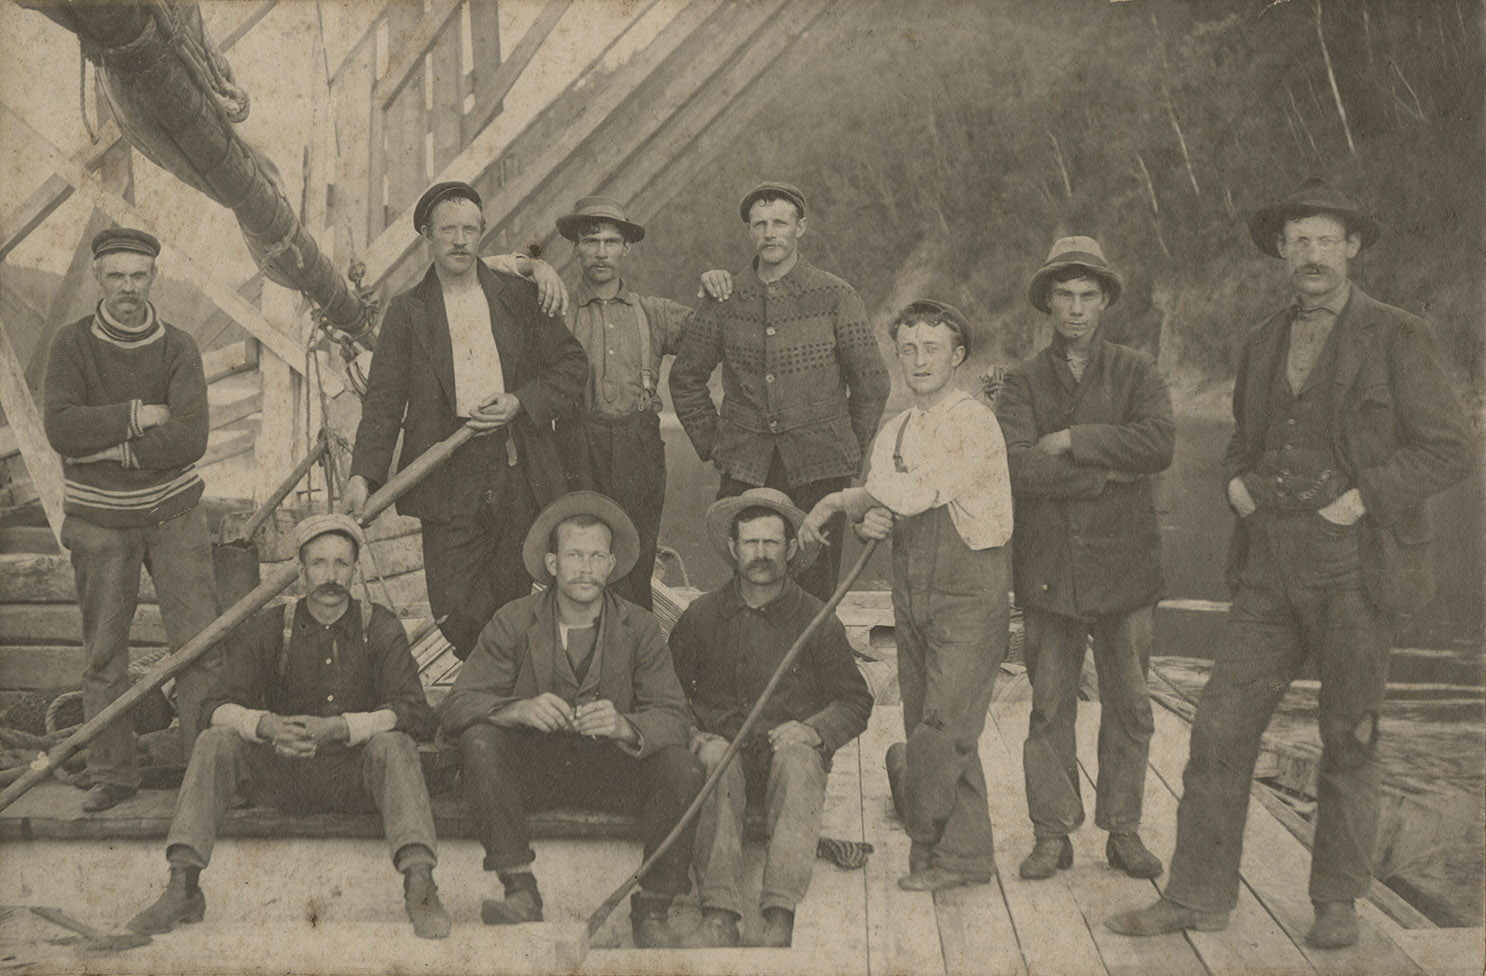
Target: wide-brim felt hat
[(605, 209), (437, 194), (1315, 195), (720, 522), (314, 526), (125, 239), (625, 542), (1073, 252), (788, 191)]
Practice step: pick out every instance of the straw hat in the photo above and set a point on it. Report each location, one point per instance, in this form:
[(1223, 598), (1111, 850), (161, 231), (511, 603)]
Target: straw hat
[(720, 522), (1073, 252), (599, 208), (625, 545)]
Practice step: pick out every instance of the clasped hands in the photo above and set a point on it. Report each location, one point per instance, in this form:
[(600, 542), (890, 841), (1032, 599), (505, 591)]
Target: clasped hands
[(549, 713), (301, 736)]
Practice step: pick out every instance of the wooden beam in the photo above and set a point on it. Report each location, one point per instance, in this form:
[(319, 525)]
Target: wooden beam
[(182, 264), (227, 361), (491, 92), (222, 450), (392, 247), (246, 24), (35, 668), (62, 623), (20, 222), (411, 50), (240, 409), (43, 464), (38, 578), (274, 452)]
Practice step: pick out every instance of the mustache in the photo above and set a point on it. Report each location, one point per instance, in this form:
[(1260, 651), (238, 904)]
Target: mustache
[(332, 589), (1314, 269), (760, 563)]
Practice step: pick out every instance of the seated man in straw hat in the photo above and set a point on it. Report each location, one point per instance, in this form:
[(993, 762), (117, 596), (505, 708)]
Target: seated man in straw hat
[(726, 647), (938, 484), (315, 710), (569, 697)]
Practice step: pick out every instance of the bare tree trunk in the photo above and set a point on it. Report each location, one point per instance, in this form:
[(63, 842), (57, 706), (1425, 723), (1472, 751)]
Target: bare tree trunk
[(1367, 38), (1301, 118), (1341, 110), (1058, 155), (1155, 206), (1228, 202), (1181, 140), (1418, 109)]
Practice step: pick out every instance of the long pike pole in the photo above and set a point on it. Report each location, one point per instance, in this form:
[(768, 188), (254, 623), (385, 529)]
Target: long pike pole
[(217, 629), (597, 919)]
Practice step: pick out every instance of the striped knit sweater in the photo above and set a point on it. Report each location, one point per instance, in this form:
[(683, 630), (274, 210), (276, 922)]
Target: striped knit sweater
[(96, 381)]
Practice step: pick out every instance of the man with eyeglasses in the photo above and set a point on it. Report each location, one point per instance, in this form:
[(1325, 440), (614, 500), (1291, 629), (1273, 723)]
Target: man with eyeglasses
[(938, 484), (1087, 424), (1345, 425), (469, 346)]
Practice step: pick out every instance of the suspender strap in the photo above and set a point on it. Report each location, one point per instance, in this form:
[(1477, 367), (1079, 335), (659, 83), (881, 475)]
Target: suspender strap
[(362, 605), (898, 464)]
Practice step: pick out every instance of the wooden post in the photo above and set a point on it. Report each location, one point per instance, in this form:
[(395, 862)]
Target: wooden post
[(274, 451), (25, 422)]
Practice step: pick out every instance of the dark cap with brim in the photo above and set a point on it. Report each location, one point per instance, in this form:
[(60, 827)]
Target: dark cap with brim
[(591, 210), (1315, 196), (1083, 253), (125, 239), (786, 191), (438, 193), (624, 539)]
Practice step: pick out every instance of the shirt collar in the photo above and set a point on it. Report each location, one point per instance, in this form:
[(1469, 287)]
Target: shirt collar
[(585, 296), (1060, 346), (734, 604), (793, 281), (945, 405), (1334, 303), (343, 624)]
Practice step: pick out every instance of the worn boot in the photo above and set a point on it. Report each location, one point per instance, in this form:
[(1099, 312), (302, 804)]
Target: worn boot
[(181, 902), (1048, 855), (649, 921), (1126, 853), (104, 796), (719, 930), (421, 898), (523, 902), (1165, 916), (779, 928), (1335, 926)]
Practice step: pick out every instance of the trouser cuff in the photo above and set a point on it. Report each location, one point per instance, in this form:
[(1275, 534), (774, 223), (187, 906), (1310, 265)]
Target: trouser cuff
[(411, 856)]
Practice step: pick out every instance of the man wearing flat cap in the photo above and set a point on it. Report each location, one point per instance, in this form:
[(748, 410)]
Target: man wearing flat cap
[(938, 485), (125, 405), (468, 346), (1345, 425), (612, 444), (726, 646), (1087, 423), (570, 698), (315, 712), (803, 383)]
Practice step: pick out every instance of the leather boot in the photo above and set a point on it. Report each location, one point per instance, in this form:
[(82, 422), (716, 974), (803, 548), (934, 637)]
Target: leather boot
[(1335, 926), (1126, 853), (779, 928), (1048, 855), (522, 905), (649, 921), (420, 896), (719, 930), (1165, 916), (181, 902)]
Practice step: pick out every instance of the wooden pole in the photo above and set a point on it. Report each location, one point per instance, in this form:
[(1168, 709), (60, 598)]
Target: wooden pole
[(219, 628)]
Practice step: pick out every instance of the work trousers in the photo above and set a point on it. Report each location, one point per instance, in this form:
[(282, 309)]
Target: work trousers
[(951, 617), (509, 772), (792, 781), (472, 563), (106, 562), (819, 580), (1056, 646), (383, 774), (1299, 597), (625, 459)]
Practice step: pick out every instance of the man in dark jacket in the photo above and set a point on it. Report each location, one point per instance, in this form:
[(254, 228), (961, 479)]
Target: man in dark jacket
[(570, 697), (726, 647), (1345, 425), (468, 346), (315, 710), (1087, 422), (803, 382)]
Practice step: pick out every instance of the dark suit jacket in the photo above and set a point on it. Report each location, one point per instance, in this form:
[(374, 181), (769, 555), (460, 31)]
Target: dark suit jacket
[(1397, 428), (1084, 544), (411, 390), (515, 659)]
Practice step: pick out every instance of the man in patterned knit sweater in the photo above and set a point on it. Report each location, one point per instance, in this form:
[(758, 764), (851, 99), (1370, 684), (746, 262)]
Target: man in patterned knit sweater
[(125, 406), (803, 383)]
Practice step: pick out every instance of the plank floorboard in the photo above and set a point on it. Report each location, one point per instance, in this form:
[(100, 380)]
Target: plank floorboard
[(833, 916)]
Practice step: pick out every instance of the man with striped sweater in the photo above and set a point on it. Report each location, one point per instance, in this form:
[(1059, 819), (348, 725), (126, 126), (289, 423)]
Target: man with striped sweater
[(125, 406)]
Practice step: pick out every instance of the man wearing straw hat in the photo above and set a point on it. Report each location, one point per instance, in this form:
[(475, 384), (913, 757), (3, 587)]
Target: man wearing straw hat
[(1345, 425), (803, 383), (468, 346), (1087, 423), (125, 405), (938, 484), (612, 444), (316, 711), (726, 646), (570, 698)]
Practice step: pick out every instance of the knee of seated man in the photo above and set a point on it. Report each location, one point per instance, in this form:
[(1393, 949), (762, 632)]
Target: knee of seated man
[(385, 745), (482, 742), (216, 738), (798, 763), (680, 769), (1351, 748)]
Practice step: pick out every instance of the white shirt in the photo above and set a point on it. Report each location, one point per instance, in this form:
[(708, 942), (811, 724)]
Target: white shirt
[(955, 456), (477, 374)]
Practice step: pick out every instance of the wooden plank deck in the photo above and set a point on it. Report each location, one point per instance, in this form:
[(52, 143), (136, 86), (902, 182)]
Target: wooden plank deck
[(851, 922)]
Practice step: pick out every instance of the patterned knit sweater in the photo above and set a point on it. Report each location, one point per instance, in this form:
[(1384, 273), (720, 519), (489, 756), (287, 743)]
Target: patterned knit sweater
[(95, 386)]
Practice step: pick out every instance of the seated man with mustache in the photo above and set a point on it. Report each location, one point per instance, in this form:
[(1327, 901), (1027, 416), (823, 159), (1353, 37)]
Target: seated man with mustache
[(315, 711)]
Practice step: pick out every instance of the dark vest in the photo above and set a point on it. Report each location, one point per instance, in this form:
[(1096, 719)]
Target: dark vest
[(1299, 467)]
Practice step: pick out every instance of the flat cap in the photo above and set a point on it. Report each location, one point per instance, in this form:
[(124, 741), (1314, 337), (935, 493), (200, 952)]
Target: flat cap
[(125, 239), (788, 191), (312, 527), (438, 193), (938, 313)]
